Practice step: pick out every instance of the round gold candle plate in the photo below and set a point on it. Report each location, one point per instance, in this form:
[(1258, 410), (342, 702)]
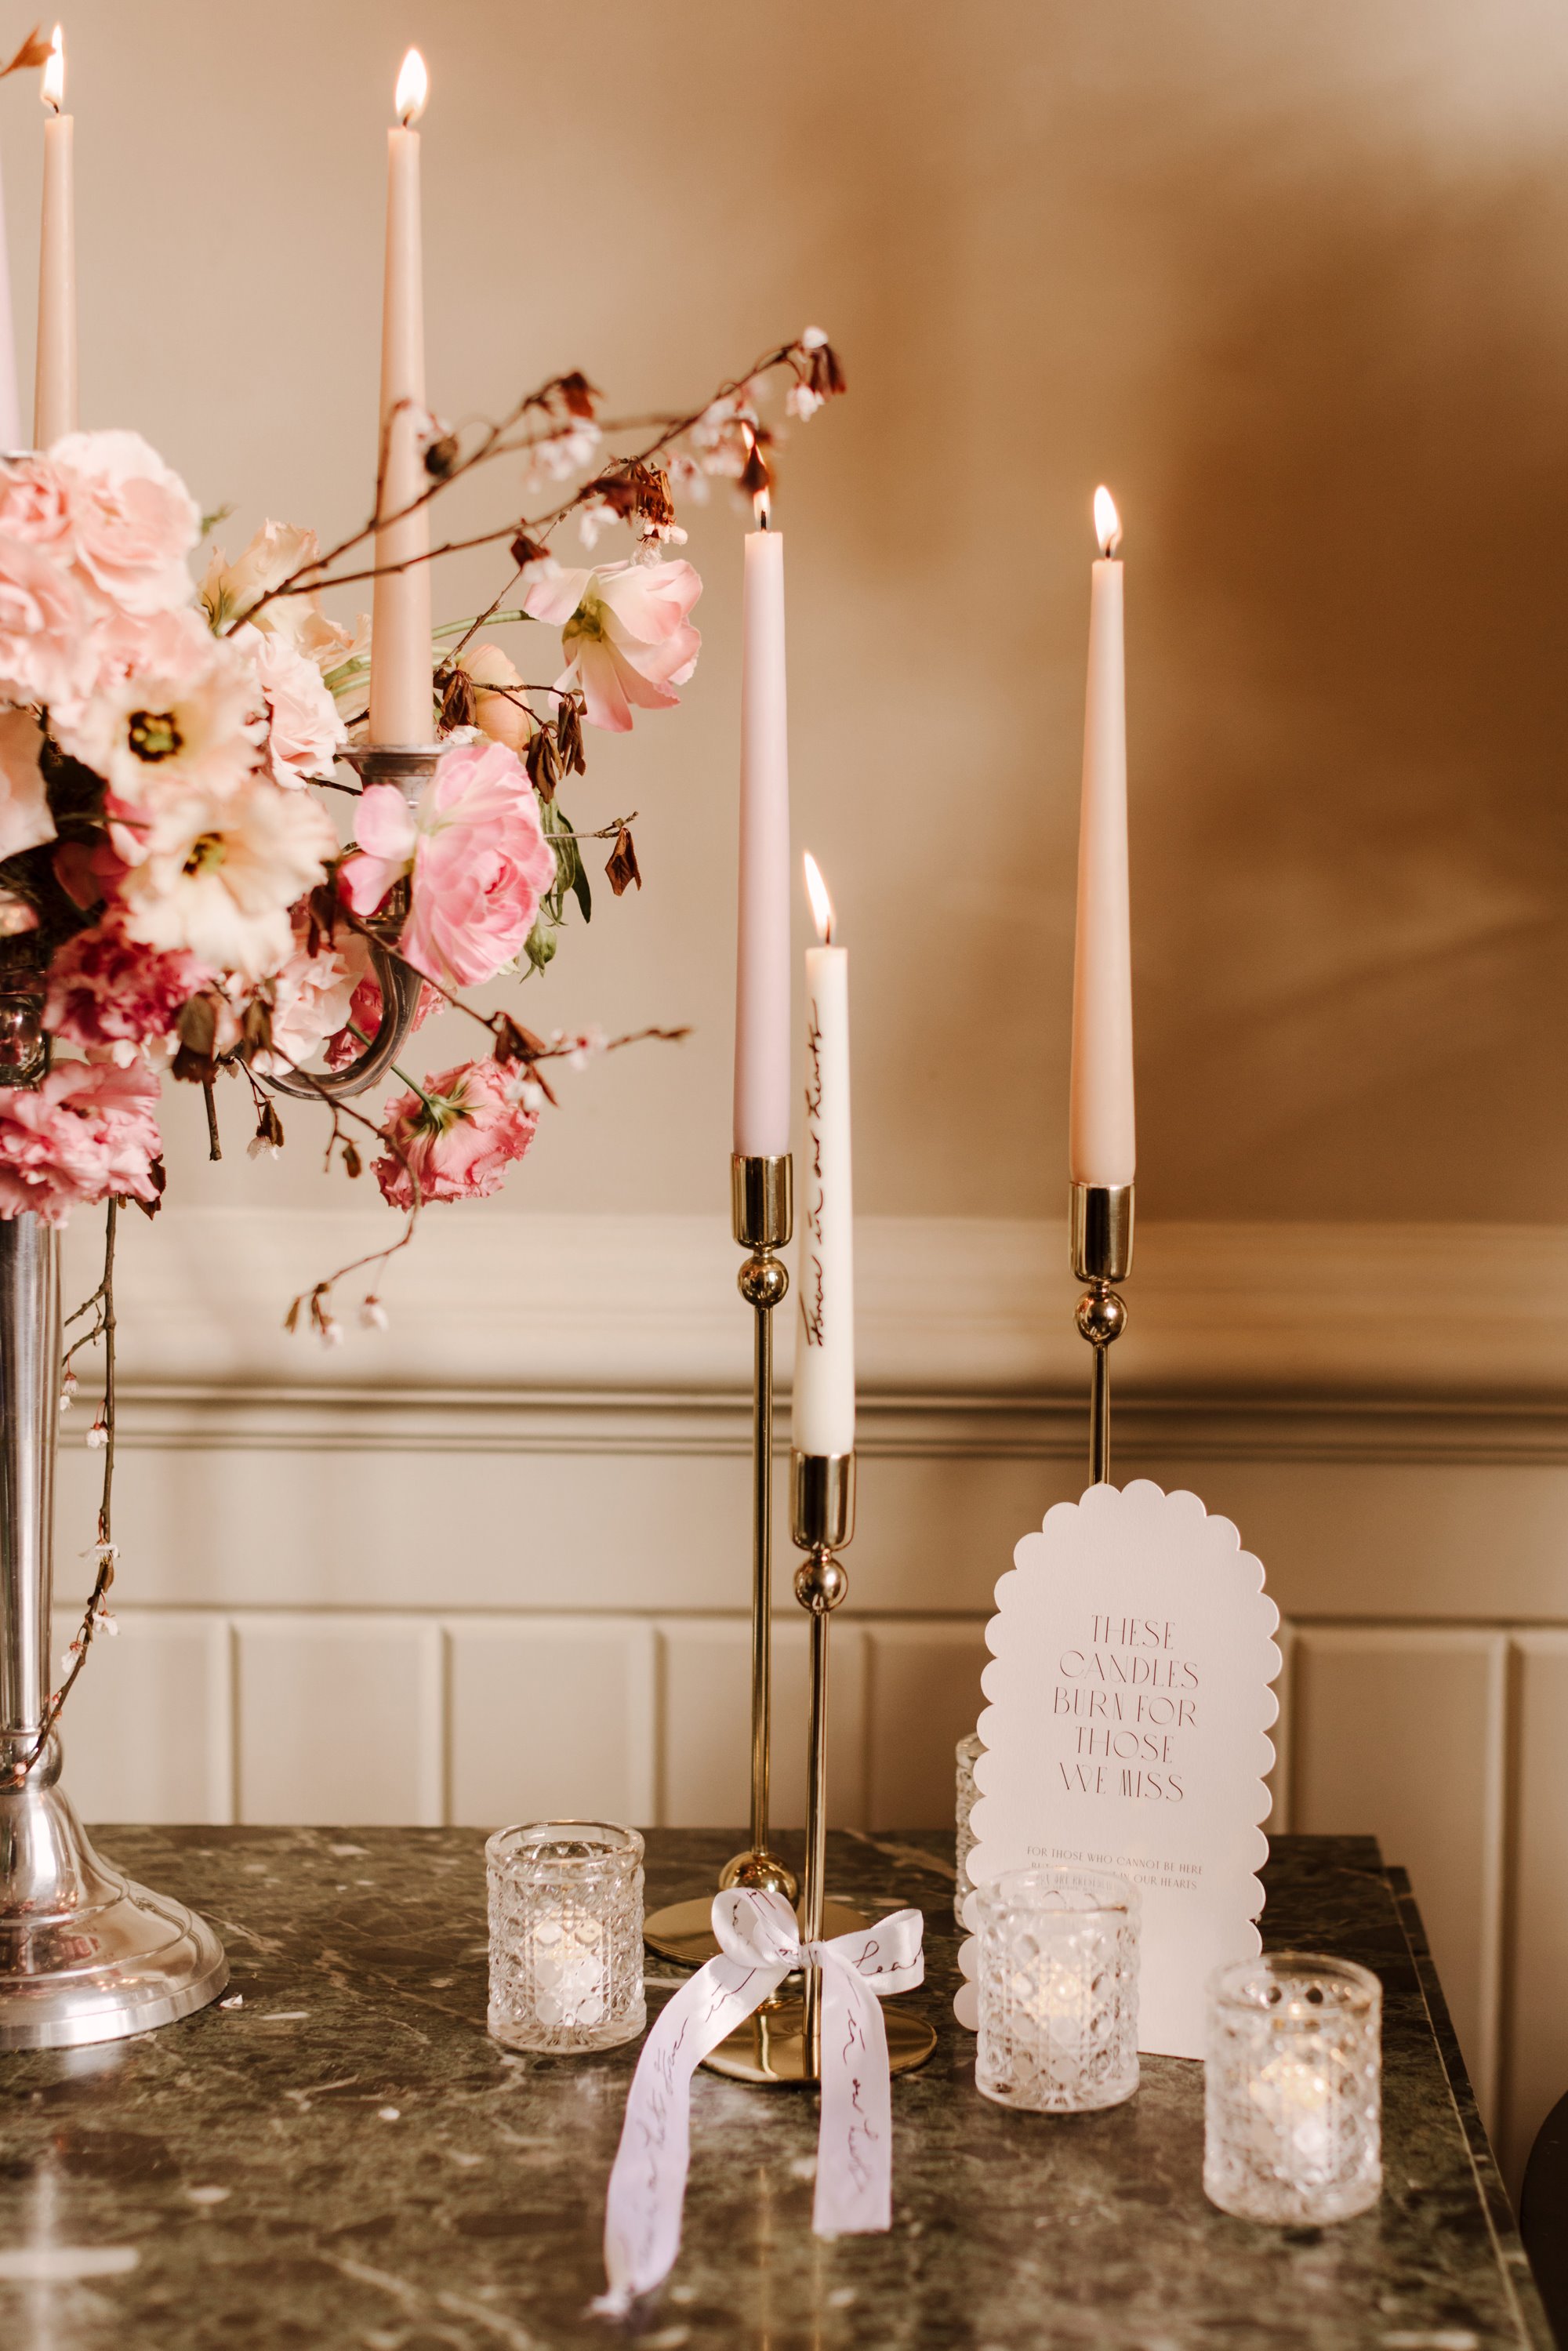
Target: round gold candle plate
[(770, 2049), (682, 1931)]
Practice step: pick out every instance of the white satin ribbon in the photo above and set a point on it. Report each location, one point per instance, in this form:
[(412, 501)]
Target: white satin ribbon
[(759, 1943)]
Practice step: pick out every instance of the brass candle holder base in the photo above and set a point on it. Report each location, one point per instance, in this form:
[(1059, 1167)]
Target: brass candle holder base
[(769, 2050), (781, 2044), (1100, 1221), (761, 1196)]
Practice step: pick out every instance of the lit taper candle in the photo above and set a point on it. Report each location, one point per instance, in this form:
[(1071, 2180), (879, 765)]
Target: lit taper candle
[(762, 960), (1101, 1132), (401, 710), (825, 1281), (55, 383)]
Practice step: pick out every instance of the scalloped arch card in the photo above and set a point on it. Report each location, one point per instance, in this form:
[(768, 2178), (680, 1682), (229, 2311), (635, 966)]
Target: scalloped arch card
[(1132, 1651)]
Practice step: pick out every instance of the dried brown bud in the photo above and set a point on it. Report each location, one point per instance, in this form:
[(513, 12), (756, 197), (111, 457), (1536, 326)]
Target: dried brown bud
[(35, 51), (543, 767), (352, 1163), (826, 372), (526, 550), (456, 698), (440, 457), (569, 737), (622, 866), (256, 1027), (755, 474), (577, 394)]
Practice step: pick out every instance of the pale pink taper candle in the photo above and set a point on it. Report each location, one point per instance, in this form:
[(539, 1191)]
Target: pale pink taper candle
[(1101, 1146), (54, 382), (762, 956), (401, 709), (824, 1401)]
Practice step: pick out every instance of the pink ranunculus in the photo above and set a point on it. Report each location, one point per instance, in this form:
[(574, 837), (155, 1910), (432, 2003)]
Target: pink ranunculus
[(49, 650), (133, 521), (462, 1141), (624, 634), (304, 732), (87, 1133), (25, 819), (109, 991), (479, 859)]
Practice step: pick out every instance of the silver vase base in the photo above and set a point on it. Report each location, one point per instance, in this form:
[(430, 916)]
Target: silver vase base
[(85, 1954)]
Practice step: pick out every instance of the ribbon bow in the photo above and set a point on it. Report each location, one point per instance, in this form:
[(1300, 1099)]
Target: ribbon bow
[(759, 1944)]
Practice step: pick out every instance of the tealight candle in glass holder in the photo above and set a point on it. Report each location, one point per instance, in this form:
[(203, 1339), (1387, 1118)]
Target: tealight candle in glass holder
[(970, 1750), (1058, 1990), (1291, 2089), (566, 1934)]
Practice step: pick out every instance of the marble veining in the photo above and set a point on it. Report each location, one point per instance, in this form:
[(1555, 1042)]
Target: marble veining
[(338, 2156)]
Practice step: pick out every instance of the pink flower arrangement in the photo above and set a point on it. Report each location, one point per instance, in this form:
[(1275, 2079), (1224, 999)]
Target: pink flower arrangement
[(458, 1136), (130, 521), (478, 857), (624, 634), (88, 1130)]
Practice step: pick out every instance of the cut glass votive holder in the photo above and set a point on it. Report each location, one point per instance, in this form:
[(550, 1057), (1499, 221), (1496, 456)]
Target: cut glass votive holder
[(1292, 2089), (1058, 1990), (969, 1752), (566, 1934)]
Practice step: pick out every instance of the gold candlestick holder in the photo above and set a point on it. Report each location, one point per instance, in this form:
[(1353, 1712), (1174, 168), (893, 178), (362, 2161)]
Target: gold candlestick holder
[(780, 2044), (1100, 1221), (762, 1212)]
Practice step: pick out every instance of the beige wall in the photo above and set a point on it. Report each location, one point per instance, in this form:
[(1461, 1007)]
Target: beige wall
[(1294, 278)]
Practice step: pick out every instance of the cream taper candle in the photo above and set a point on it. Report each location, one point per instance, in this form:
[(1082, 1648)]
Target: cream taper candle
[(824, 1420), (55, 383), (1101, 1129), (762, 957), (401, 710)]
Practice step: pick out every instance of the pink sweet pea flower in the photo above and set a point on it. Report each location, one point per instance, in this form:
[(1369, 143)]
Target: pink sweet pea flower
[(624, 634), (478, 856), (460, 1141)]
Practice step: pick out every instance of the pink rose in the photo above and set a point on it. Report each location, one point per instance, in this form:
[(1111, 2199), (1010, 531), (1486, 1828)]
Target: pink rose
[(47, 653), (304, 733), (87, 1133), (133, 521), (460, 1142), (106, 990), (478, 856), (624, 634), (25, 819)]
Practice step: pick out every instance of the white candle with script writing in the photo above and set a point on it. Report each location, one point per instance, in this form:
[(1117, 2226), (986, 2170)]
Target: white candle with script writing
[(401, 710), (1101, 1146), (824, 1420), (762, 961), (55, 383)]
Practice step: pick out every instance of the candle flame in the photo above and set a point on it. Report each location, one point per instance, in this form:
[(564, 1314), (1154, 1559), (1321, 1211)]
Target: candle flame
[(1107, 521), (762, 507), (413, 89), (52, 88), (822, 904)]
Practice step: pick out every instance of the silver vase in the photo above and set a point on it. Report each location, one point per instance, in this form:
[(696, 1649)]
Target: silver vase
[(85, 1955)]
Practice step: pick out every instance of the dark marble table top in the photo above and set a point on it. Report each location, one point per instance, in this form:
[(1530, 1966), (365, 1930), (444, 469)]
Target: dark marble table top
[(348, 2161)]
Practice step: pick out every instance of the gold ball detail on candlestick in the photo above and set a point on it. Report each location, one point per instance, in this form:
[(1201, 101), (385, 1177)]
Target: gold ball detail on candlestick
[(763, 1281), (821, 1582), (1102, 1316)]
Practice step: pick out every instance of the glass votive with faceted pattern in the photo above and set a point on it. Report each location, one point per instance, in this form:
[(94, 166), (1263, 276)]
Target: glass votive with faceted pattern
[(566, 1934), (1058, 1990), (1292, 2089), (970, 1750)]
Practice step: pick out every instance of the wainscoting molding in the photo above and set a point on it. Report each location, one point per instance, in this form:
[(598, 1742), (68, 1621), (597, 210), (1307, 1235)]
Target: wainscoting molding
[(493, 1562)]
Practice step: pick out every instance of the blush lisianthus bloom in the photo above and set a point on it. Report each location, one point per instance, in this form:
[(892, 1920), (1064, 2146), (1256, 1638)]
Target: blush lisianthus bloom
[(278, 550), (303, 731), (478, 858), (86, 1132), (110, 993), (459, 1136), (312, 994), (173, 708), (624, 634), (25, 819), (218, 872), (132, 520)]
